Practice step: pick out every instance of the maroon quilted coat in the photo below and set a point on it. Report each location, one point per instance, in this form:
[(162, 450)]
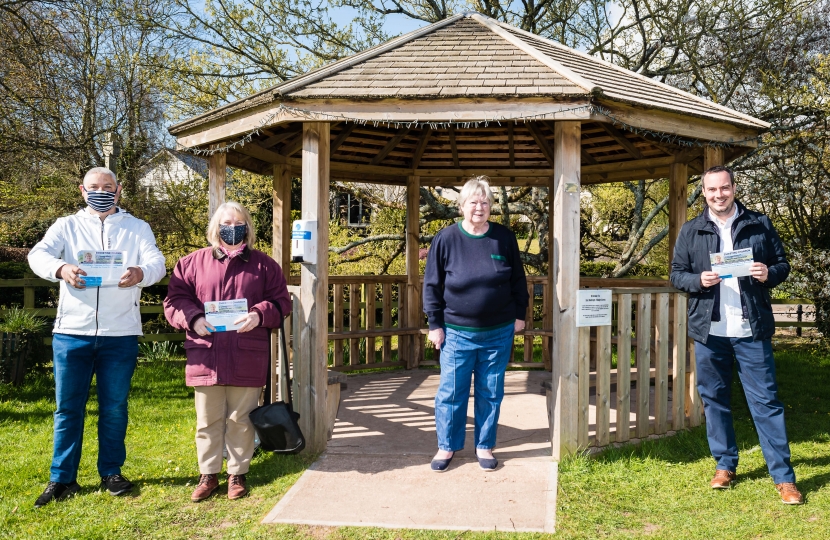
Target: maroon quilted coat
[(227, 358)]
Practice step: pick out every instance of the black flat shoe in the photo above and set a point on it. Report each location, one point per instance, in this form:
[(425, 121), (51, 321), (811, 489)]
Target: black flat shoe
[(440, 465), (488, 464)]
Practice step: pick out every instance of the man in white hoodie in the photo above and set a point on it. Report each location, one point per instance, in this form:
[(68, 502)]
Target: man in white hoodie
[(102, 257)]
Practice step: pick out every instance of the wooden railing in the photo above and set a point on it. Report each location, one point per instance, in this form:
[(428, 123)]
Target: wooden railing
[(354, 330), (364, 338)]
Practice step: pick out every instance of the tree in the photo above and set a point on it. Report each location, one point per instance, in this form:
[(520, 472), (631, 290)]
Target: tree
[(72, 75)]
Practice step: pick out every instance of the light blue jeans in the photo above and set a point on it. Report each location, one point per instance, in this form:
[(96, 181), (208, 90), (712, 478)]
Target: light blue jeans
[(76, 359), (464, 353)]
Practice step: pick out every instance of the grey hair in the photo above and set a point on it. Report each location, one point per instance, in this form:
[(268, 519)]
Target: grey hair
[(100, 170), (477, 185)]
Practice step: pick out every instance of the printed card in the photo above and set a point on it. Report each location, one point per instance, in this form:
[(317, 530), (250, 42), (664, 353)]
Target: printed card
[(222, 313), (102, 267), (727, 264)]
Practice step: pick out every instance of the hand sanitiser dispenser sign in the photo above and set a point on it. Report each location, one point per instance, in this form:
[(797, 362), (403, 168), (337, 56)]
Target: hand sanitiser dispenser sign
[(304, 241)]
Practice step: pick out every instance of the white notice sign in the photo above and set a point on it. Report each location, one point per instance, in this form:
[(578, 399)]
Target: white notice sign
[(593, 307)]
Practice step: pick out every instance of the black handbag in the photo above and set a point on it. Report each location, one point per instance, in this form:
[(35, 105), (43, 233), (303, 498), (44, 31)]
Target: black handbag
[(276, 423)]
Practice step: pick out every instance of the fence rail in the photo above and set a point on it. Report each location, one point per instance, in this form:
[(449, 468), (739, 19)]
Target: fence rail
[(362, 338)]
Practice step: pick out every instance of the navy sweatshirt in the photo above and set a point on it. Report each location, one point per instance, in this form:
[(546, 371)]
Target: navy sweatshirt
[(474, 282)]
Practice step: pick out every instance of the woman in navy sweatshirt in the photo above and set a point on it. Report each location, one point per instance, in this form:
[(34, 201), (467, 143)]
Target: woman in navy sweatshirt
[(475, 297)]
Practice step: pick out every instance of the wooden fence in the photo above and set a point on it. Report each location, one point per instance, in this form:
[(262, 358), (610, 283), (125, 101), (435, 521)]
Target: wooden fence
[(641, 369), (355, 330)]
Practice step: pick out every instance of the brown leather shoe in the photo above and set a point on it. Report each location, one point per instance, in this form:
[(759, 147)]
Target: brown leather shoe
[(789, 493), (236, 486), (207, 485), (723, 479)]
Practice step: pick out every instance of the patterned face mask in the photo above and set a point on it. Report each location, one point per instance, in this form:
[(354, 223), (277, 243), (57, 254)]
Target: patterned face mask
[(233, 234), (100, 201)]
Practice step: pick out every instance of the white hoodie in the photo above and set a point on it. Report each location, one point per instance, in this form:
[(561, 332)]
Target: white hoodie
[(107, 310)]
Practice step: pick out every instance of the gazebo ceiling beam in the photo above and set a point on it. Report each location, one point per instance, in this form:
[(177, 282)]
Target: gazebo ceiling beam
[(623, 141), (421, 147), (253, 149), (342, 136), (390, 145), (546, 149), (602, 168), (293, 146), (279, 137), (454, 148)]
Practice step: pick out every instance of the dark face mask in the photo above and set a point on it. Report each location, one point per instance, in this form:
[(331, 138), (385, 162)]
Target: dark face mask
[(233, 234)]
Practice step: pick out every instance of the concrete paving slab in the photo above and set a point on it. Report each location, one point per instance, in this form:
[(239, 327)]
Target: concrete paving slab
[(375, 471)]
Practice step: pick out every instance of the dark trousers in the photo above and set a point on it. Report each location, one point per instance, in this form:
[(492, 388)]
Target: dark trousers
[(756, 368)]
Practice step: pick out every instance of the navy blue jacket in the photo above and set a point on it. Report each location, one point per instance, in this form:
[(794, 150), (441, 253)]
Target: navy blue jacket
[(698, 238), (474, 282)]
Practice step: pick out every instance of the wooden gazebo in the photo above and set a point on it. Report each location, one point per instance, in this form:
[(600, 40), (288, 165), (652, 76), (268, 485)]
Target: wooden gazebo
[(470, 95)]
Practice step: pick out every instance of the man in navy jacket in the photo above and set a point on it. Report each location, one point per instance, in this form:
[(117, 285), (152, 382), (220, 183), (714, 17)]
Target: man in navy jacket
[(731, 320)]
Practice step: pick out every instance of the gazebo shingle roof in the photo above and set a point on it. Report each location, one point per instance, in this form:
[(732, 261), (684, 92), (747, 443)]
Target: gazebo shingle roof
[(470, 55), (458, 60)]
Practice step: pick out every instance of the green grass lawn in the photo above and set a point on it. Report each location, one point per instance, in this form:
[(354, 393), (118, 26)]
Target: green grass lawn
[(658, 489)]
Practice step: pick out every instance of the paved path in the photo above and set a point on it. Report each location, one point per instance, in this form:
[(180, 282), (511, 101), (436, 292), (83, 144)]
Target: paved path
[(375, 471)]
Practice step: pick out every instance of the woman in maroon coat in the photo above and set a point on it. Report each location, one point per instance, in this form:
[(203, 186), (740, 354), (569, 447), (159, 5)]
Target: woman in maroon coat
[(227, 368)]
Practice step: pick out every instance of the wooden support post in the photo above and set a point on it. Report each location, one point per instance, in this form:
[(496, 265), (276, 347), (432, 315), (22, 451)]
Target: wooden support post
[(281, 252), (712, 156), (413, 289), (281, 222), (549, 347), (678, 195), (310, 368), (217, 164), (566, 172)]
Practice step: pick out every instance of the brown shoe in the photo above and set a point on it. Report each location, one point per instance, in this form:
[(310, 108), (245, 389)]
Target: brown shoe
[(789, 493), (236, 486), (207, 485), (723, 479)]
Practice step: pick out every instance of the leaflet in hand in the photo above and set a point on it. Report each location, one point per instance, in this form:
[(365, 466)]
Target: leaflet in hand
[(727, 264), (101, 267), (222, 313)]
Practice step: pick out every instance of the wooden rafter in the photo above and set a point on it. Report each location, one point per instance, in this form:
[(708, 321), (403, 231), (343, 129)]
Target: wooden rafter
[(293, 146), (454, 147), (623, 141), (543, 144), (279, 137), (342, 136), (422, 145), (255, 150), (511, 150), (391, 145)]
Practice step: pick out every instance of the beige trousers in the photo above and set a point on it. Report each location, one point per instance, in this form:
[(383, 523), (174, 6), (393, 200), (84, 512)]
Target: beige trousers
[(222, 420)]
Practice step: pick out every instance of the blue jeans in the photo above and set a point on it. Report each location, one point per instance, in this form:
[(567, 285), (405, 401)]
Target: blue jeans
[(756, 368), (463, 353), (76, 358)]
